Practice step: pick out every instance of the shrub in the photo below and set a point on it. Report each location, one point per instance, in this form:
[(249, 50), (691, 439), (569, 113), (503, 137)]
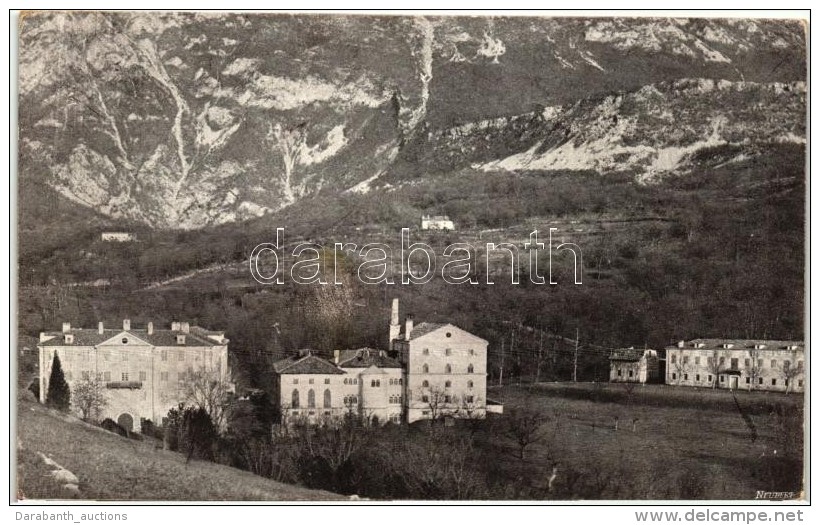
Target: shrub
[(58, 395)]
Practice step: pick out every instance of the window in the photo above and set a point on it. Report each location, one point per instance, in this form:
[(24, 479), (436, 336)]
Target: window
[(294, 399), (125, 340), (800, 365), (447, 351), (674, 376), (470, 369), (327, 398), (472, 352), (748, 380), (721, 360), (722, 379), (448, 369), (786, 365), (685, 376), (181, 355), (425, 384), (425, 369), (448, 399), (734, 363), (759, 380), (760, 363), (697, 378), (469, 399), (355, 380), (800, 383), (310, 381), (124, 376), (619, 372), (295, 380), (311, 399), (469, 384), (327, 380), (448, 384), (164, 355), (774, 382), (163, 376), (425, 412), (345, 380), (426, 351), (686, 359), (709, 378), (143, 376), (747, 363), (674, 358), (774, 363), (425, 398), (697, 360)]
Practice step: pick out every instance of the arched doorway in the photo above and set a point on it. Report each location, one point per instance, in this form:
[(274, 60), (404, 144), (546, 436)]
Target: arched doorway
[(126, 422)]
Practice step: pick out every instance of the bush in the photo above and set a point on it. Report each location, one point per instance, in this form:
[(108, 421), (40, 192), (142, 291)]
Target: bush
[(58, 395), (112, 426)]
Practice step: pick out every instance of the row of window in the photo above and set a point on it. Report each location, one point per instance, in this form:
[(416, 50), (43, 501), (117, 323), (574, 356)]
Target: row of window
[(620, 373), (723, 379), (448, 369), (447, 351), (125, 376), (310, 381), (311, 399), (747, 363), (447, 398), (395, 400), (447, 384)]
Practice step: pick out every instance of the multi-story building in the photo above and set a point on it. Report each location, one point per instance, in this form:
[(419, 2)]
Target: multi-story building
[(143, 372), (437, 222), (737, 363), (628, 365), (445, 369), (364, 382)]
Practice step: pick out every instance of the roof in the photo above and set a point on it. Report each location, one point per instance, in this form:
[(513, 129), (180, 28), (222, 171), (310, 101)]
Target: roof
[(422, 329), (717, 344), (308, 364), (365, 358), (626, 354), (92, 337)]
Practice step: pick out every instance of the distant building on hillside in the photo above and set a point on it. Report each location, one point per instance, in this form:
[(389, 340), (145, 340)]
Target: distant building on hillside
[(752, 364), (437, 222), (118, 237), (142, 371), (628, 365)]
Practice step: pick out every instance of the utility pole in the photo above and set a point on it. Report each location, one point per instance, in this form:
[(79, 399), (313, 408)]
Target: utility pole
[(575, 361), (501, 372)]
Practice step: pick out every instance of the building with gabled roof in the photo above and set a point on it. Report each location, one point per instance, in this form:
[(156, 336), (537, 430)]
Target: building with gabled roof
[(445, 369), (630, 365), (142, 370), (437, 222), (380, 380), (751, 364)]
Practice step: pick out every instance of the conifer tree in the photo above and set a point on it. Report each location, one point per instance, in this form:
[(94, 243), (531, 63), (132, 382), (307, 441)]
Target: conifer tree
[(58, 395)]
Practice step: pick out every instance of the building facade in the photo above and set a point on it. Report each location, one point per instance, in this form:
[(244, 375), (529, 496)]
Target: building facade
[(117, 237), (628, 365), (143, 372), (445, 369), (437, 222), (363, 382), (749, 364)]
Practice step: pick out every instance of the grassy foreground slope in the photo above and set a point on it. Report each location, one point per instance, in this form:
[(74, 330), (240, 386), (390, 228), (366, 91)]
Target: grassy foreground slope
[(110, 467)]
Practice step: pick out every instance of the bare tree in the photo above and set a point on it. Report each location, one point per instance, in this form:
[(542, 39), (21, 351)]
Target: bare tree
[(753, 371), (524, 426), (88, 396), (714, 367), (290, 144), (208, 388), (788, 371), (438, 401)]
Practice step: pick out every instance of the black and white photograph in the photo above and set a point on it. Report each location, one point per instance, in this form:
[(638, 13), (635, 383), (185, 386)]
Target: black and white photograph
[(363, 257)]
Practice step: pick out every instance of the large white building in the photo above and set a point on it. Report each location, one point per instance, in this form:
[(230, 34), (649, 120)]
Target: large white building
[(143, 371), (750, 364), (431, 371)]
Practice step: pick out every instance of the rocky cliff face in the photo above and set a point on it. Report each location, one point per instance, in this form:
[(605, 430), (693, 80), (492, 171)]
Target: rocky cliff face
[(186, 120)]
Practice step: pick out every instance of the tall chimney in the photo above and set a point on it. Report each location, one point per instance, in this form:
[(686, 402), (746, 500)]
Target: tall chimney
[(681, 344), (408, 327), (175, 326), (395, 327), (100, 328), (336, 356), (126, 324), (150, 328), (185, 327), (66, 327)]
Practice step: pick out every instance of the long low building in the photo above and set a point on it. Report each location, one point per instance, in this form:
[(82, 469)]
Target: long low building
[(750, 364)]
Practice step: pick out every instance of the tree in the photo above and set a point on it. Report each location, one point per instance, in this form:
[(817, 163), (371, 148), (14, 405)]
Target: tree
[(523, 425), (198, 434), (788, 371), (437, 400), (89, 398), (209, 389), (58, 395), (714, 366)]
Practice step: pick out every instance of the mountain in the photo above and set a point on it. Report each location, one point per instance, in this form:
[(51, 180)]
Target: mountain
[(184, 120)]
